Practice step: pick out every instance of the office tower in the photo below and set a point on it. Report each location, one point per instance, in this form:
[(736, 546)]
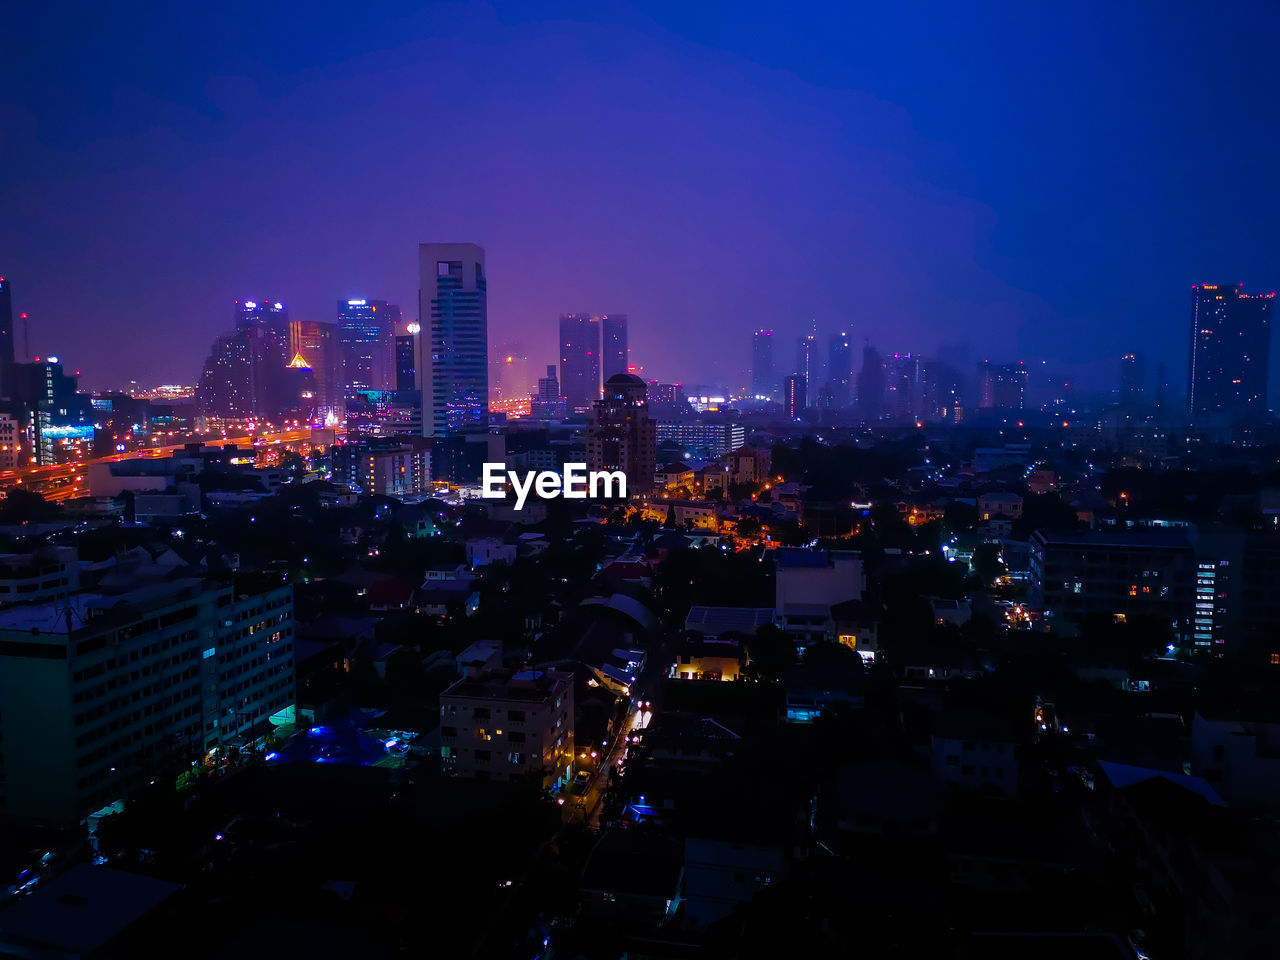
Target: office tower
[(366, 334), (453, 351), (264, 325), (904, 387), (406, 357), (57, 420), (764, 382), (614, 356), (1133, 375), (244, 376), (6, 335), (1002, 386), (579, 360), (314, 345), (840, 371), (620, 433), (871, 384), (1230, 348), (268, 314), (793, 395)]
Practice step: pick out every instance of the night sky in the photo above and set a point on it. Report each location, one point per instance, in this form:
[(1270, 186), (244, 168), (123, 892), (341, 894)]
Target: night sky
[(1037, 180)]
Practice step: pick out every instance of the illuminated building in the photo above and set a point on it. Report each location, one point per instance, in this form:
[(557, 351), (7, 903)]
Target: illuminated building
[(807, 359), (614, 355), (905, 387), (366, 338), (204, 665), (764, 379), (704, 439), (57, 421), (243, 377), (547, 404), (840, 371), (1125, 573), (453, 353), (498, 727), (315, 345), (389, 467), (1230, 348), (579, 361), (620, 433), (6, 334), (793, 396), (1002, 386), (406, 359)]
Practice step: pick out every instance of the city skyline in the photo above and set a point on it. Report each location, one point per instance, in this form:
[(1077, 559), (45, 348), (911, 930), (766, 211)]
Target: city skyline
[(938, 237)]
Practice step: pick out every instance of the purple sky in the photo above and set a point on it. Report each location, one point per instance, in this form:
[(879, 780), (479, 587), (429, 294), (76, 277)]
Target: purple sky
[(1039, 186)]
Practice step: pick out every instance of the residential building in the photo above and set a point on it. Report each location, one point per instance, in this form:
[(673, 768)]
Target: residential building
[(46, 573), (975, 751), (1230, 350), (497, 727), (704, 439), (390, 467), (621, 435), (100, 694)]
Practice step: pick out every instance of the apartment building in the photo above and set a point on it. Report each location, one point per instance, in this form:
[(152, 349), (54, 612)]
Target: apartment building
[(500, 726)]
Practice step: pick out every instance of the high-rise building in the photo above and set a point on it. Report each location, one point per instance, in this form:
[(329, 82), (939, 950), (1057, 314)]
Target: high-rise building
[(1002, 386), (453, 352), (244, 376), (807, 358), (840, 370), (1230, 349), (547, 404), (57, 420), (871, 384), (314, 345), (764, 379), (406, 357), (793, 395), (614, 357), (1133, 374), (905, 386), (366, 334), (620, 433), (579, 360), (6, 335), (104, 693), (269, 314)]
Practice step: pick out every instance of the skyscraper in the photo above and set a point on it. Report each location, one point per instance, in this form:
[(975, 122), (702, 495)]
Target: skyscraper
[(1230, 348), (620, 433), (840, 370), (764, 380), (6, 335), (614, 354), (406, 357), (547, 404), (793, 396), (366, 334), (871, 384), (261, 340), (1132, 376), (579, 360), (807, 358), (1002, 386), (314, 344), (453, 353)]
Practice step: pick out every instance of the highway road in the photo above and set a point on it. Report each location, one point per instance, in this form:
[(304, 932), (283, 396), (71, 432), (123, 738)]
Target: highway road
[(68, 480)]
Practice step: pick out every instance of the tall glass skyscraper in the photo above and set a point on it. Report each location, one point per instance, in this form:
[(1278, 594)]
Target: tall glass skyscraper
[(614, 357), (764, 379), (366, 334), (453, 354), (579, 360), (840, 370), (1230, 348)]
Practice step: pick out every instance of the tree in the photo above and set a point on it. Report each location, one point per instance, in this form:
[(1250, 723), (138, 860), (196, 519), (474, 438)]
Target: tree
[(987, 564), (772, 653)]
